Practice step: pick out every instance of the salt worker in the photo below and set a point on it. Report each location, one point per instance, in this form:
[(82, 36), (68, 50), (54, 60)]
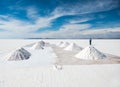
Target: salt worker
[(90, 41)]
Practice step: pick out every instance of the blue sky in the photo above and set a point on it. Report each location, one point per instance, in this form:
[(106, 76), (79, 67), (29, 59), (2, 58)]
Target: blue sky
[(59, 18)]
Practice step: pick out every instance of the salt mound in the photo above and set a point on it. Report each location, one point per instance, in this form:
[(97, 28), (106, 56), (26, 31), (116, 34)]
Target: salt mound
[(59, 43), (73, 47), (90, 53), (42, 43), (19, 54), (64, 44), (38, 45)]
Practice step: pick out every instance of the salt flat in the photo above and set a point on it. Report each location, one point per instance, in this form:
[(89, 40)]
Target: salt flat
[(39, 70), (38, 58), (68, 58), (110, 46), (69, 76)]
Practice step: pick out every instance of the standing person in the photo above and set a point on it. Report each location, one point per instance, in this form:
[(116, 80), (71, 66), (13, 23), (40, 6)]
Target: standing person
[(90, 41)]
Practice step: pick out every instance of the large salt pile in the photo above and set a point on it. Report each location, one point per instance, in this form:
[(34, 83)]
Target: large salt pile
[(38, 45), (90, 53), (64, 44), (73, 47), (19, 54)]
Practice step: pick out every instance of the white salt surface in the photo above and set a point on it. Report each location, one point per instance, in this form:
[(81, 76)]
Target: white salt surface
[(38, 57), (38, 70), (69, 76), (111, 46)]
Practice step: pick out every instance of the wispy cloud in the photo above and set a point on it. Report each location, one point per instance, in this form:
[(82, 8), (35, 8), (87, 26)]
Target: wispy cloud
[(65, 31), (74, 27), (14, 27), (93, 33), (32, 12), (80, 20), (87, 7), (12, 24), (3, 17)]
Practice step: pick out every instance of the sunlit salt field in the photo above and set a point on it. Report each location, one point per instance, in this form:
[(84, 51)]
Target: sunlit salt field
[(54, 65), (111, 46), (66, 54)]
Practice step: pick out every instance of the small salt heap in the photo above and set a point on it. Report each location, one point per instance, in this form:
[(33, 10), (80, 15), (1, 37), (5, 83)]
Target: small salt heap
[(19, 54), (73, 47), (38, 45), (64, 44), (58, 44)]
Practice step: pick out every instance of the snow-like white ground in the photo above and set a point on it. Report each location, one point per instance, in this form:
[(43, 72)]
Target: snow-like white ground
[(111, 46), (38, 71), (69, 76), (38, 58)]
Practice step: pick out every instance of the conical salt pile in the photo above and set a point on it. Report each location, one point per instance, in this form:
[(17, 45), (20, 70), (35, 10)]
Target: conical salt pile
[(19, 54), (64, 44), (42, 43), (59, 43), (73, 47), (90, 53), (38, 45)]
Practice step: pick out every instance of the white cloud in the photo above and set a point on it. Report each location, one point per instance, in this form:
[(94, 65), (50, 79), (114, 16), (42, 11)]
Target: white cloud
[(80, 20), (102, 33), (19, 28), (61, 33), (8, 34), (64, 32), (32, 12), (3, 17), (15, 25), (74, 27), (92, 33), (87, 7)]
